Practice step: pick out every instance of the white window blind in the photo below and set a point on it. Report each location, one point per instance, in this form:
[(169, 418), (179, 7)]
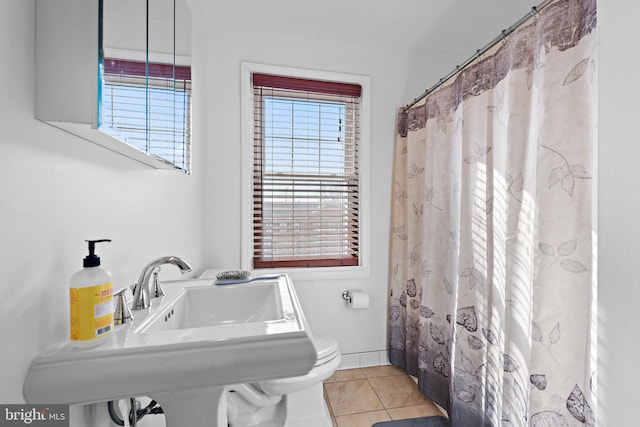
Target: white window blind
[(149, 108), (305, 173)]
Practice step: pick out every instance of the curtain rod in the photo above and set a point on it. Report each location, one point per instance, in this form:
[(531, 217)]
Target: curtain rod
[(503, 35)]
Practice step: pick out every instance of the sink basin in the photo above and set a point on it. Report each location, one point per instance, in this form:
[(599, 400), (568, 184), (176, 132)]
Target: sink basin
[(202, 306), (190, 343)]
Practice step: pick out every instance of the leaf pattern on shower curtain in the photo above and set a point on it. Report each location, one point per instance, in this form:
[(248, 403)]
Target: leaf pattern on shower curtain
[(563, 251), (553, 338), (515, 186), (491, 336), (474, 276), (538, 380), (578, 70), (498, 108), (418, 211), (415, 171), (400, 232), (467, 318), (442, 123), (489, 206), (394, 313), (509, 364), (548, 419), (479, 154), (400, 193), (415, 257), (567, 173), (579, 407), (436, 334), (426, 312), (412, 290), (491, 231), (474, 342), (447, 286), (429, 194), (441, 365)]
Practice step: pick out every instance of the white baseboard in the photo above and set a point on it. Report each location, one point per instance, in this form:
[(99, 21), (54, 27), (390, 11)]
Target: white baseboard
[(364, 360)]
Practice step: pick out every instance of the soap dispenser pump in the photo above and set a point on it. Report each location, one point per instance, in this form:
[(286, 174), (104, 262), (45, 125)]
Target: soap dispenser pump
[(91, 301)]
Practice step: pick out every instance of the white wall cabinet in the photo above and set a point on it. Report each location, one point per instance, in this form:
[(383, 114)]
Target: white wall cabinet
[(66, 74)]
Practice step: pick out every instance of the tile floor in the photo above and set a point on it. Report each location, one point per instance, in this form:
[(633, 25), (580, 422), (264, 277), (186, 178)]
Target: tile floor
[(364, 396)]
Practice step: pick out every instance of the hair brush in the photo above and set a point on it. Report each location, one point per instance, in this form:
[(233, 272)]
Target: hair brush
[(232, 277)]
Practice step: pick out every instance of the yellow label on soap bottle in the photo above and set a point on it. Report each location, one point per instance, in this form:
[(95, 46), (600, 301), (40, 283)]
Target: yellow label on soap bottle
[(91, 312)]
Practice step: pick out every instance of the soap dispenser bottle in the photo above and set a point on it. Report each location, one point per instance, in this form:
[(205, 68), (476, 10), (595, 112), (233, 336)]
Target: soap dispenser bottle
[(91, 301)]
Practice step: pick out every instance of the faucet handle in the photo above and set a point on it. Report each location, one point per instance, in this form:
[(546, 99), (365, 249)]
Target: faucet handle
[(122, 314), (156, 288)]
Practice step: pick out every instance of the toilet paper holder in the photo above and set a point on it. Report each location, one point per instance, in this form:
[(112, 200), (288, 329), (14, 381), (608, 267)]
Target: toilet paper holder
[(357, 300), (346, 295)]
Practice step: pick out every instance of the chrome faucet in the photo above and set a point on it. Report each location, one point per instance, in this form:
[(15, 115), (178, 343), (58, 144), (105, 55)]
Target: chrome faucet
[(141, 290)]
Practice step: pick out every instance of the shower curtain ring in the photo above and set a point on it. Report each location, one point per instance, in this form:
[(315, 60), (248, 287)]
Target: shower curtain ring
[(535, 13)]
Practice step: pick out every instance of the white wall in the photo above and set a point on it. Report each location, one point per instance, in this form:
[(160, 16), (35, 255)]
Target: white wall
[(57, 190), (619, 214), (395, 77)]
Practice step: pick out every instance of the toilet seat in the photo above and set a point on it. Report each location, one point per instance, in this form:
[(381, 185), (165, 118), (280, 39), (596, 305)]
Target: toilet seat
[(327, 363), (326, 347)]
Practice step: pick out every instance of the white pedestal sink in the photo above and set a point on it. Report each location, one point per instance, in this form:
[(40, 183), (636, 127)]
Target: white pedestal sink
[(184, 350)]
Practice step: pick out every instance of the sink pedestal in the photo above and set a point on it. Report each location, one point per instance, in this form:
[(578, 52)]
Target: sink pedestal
[(197, 407)]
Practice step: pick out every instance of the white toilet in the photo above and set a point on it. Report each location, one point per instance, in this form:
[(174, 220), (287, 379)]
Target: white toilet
[(287, 402)]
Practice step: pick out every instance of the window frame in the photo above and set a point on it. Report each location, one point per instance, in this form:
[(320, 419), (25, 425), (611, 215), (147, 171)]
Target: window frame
[(357, 271)]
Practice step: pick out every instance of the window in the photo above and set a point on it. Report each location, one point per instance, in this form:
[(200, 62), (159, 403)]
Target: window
[(156, 121), (306, 184)]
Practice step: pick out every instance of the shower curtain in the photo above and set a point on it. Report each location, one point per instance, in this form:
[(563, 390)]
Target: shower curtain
[(492, 256)]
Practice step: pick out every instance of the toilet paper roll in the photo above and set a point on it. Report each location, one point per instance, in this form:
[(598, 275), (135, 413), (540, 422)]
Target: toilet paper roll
[(359, 300)]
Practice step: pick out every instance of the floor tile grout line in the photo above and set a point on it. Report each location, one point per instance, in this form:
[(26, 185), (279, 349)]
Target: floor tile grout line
[(360, 413), (389, 414), (377, 395), (384, 407), (363, 412)]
